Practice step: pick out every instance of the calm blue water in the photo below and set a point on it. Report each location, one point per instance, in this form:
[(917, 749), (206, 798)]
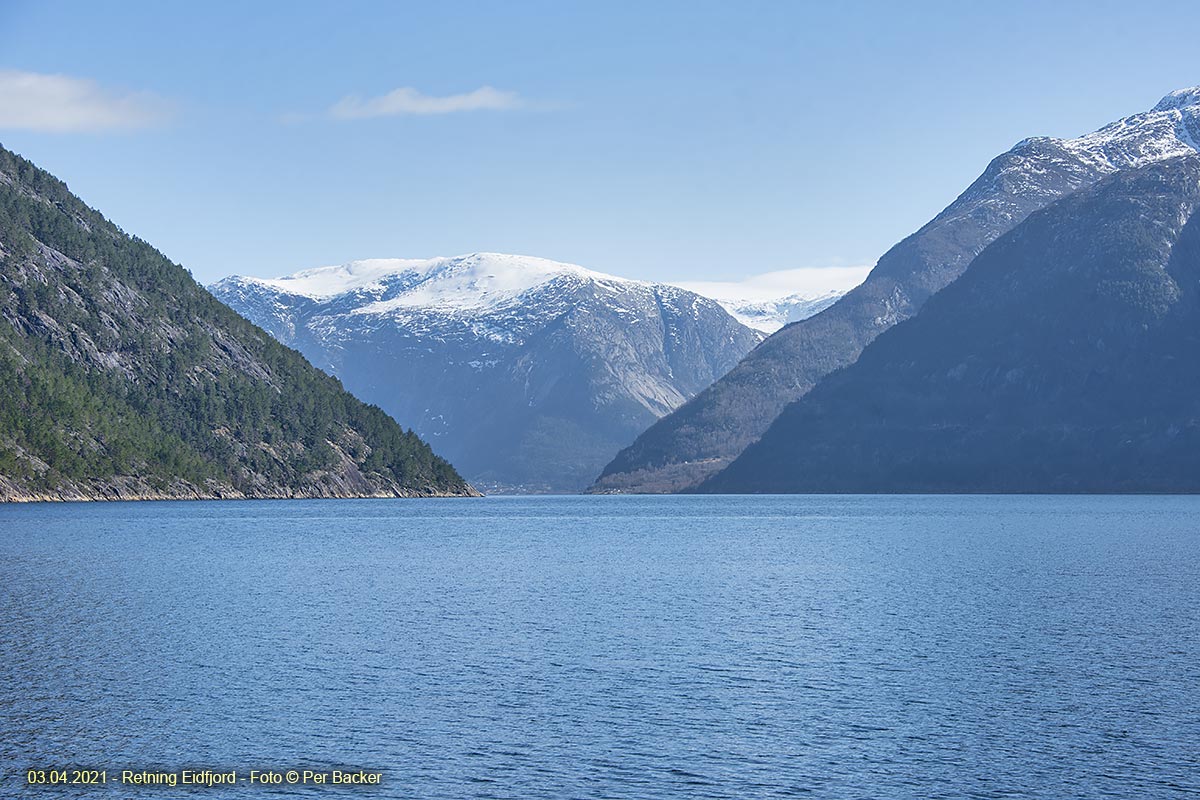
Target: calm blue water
[(611, 647)]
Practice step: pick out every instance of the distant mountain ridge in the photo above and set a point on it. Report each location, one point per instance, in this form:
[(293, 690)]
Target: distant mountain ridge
[(703, 436), (769, 316), (1064, 360), (529, 374), (122, 378), (770, 300)]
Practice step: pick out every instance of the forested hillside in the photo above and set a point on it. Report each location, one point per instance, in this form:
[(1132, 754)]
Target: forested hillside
[(120, 376)]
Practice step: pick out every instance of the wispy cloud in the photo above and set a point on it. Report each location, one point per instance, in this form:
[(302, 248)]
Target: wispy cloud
[(805, 281), (406, 100), (63, 104)]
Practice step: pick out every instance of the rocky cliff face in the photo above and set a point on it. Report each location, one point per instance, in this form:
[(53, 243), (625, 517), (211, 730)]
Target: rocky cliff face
[(1062, 361), (706, 434), (122, 378), (528, 374)]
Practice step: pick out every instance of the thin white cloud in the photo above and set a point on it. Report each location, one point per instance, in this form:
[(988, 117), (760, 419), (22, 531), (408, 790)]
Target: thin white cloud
[(62, 104), (407, 100), (805, 281)]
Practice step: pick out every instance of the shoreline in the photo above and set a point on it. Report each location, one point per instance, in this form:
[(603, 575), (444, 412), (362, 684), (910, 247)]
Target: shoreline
[(115, 492)]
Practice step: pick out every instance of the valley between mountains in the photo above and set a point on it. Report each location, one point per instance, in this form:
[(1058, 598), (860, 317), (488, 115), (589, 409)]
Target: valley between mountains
[(529, 375), (702, 437), (1036, 335)]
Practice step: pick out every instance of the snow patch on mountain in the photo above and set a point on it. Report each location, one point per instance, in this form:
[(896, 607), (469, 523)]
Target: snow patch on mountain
[(768, 301), (471, 281), (1168, 130), (528, 373), (1180, 99), (484, 283)]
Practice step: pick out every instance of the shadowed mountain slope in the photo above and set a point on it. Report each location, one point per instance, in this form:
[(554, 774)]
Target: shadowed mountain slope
[(1064, 360), (704, 435)]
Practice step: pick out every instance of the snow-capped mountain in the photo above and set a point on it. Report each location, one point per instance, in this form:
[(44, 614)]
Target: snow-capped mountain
[(769, 316), (696, 441), (1062, 360), (768, 301), (527, 374)]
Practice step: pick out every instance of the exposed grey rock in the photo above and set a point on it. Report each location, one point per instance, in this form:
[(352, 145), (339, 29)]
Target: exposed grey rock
[(707, 433), (1063, 360), (527, 374)]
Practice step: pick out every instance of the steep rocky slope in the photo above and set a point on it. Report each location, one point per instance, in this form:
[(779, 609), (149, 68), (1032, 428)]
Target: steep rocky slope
[(121, 377), (528, 374), (707, 433), (1064, 360)]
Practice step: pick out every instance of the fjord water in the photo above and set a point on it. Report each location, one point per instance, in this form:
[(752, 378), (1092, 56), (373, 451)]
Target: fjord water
[(611, 647)]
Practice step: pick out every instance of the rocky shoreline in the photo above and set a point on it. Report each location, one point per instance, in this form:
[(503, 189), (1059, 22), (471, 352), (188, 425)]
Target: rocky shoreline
[(130, 488)]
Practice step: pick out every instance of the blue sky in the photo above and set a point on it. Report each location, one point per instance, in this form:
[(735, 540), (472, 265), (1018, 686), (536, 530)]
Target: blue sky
[(664, 140)]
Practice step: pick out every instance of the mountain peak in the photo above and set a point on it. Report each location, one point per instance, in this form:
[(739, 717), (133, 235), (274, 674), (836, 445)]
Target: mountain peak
[(1180, 98), (532, 373), (475, 273), (1170, 129)]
